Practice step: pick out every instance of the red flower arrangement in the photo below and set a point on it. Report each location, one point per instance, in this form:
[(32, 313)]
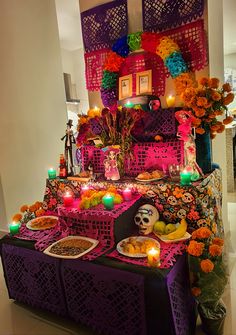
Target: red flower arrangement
[(207, 102)]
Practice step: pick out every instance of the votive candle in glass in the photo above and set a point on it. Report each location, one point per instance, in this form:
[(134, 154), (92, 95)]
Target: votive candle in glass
[(68, 199), (170, 101), (153, 257), (14, 228), (52, 174), (127, 194), (108, 201), (185, 178), (129, 104), (84, 189)]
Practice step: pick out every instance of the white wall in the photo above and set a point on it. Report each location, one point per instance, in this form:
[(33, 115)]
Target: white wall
[(230, 61), (33, 112)]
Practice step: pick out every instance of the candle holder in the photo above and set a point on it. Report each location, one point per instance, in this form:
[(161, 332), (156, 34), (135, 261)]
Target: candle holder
[(174, 171), (52, 174), (68, 199), (153, 257), (185, 178), (127, 194), (14, 228), (170, 101), (84, 189), (108, 201)]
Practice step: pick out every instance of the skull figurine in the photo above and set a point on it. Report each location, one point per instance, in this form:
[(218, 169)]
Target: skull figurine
[(145, 218)]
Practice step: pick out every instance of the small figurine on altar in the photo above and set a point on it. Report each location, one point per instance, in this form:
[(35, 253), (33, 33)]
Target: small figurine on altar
[(69, 141), (111, 164), (154, 103), (184, 132)]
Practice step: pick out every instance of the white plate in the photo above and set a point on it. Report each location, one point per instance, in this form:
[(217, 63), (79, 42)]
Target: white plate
[(29, 223), (95, 243), (139, 238), (148, 180), (164, 239)]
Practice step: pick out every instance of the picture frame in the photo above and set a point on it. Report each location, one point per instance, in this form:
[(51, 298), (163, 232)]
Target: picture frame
[(144, 82), (125, 86)]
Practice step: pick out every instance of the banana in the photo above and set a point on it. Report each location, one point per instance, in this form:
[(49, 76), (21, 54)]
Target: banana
[(179, 232)]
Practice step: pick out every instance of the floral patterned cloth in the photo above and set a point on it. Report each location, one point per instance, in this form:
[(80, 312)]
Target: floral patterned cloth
[(200, 203)]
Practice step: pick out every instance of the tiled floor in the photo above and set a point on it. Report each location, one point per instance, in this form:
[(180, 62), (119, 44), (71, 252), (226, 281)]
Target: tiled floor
[(18, 319)]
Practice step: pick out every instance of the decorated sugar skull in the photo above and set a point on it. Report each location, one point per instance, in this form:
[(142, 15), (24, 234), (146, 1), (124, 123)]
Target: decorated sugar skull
[(145, 218)]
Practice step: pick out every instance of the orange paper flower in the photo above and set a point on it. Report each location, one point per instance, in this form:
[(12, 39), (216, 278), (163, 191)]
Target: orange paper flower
[(206, 265)]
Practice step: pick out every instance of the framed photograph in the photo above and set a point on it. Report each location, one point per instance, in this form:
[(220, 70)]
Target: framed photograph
[(125, 87), (144, 82)]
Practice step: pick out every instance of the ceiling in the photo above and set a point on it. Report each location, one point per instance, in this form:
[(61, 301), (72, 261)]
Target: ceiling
[(69, 25)]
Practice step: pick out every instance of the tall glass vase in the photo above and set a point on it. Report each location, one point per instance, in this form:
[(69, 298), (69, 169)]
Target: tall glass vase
[(204, 152)]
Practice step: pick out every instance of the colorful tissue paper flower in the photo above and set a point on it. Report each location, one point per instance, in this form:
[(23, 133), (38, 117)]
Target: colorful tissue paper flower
[(113, 62), (149, 41), (109, 96), (109, 79), (182, 82), (121, 47), (175, 64), (134, 41), (166, 47)]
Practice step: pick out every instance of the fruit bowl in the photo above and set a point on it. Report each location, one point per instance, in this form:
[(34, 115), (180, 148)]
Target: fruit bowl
[(163, 238)]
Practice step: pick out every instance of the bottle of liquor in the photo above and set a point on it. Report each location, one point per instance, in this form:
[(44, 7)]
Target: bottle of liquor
[(62, 167)]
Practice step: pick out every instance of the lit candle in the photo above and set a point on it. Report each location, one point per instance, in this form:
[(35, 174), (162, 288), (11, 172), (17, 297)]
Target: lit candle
[(52, 174), (170, 101), (108, 201), (129, 104), (185, 178), (68, 199), (127, 194), (14, 228), (153, 257), (84, 189)]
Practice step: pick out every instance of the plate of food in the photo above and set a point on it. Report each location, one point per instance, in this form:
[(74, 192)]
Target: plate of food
[(42, 222), (163, 238), (136, 246), (71, 247), (150, 176)]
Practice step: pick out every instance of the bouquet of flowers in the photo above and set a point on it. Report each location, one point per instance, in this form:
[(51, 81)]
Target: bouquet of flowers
[(29, 212), (114, 127), (207, 273), (207, 102)]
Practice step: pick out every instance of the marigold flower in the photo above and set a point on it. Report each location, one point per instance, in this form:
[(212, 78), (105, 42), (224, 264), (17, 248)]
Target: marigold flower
[(216, 96), (38, 204), (203, 232), (219, 241), (17, 217), (182, 82), (215, 250), (226, 87), (201, 101), (228, 120), (196, 122), (212, 135), (221, 128), (228, 99), (32, 208), (214, 82), (196, 291), (204, 81), (199, 112), (206, 265), (40, 212), (24, 208), (200, 131), (195, 248)]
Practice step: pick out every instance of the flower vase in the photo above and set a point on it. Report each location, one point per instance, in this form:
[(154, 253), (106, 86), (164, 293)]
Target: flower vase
[(204, 152)]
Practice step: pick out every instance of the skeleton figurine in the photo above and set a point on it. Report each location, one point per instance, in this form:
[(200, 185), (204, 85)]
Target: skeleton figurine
[(69, 141), (145, 218)]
